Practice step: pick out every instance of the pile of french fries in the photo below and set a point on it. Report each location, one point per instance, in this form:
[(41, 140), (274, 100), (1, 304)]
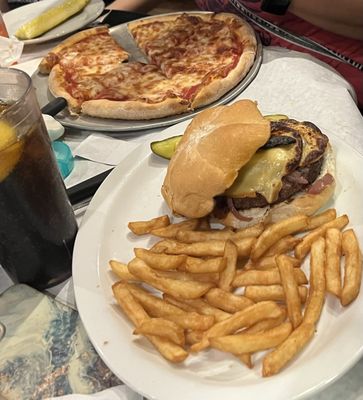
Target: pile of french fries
[(238, 291)]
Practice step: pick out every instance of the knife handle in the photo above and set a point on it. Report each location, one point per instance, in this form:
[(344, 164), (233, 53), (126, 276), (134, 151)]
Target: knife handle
[(54, 107), (87, 188)]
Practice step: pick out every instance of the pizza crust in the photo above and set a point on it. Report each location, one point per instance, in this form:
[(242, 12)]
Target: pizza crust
[(133, 110)]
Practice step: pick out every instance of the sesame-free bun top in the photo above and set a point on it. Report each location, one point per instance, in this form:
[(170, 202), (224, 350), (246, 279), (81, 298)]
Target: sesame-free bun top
[(215, 146)]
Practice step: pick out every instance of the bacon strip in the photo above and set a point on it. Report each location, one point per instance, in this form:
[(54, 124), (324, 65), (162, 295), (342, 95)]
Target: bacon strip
[(320, 184)]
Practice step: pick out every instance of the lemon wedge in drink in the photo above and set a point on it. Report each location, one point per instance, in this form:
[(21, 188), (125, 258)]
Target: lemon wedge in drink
[(10, 149), (50, 18)]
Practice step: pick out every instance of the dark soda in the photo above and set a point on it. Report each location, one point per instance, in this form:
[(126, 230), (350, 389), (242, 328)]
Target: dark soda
[(37, 223)]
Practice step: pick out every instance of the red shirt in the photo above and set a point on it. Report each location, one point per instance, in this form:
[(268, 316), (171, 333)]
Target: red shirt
[(351, 48)]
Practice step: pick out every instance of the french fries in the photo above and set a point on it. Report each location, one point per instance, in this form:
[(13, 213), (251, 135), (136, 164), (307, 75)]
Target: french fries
[(273, 362), (239, 291), (183, 289), (163, 328), (160, 261), (169, 350), (352, 267), (277, 231), (332, 261), (227, 301), (144, 227), (316, 296), (302, 249), (291, 290), (252, 342), (227, 275)]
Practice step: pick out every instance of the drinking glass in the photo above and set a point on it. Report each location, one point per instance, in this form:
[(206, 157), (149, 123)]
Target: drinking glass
[(37, 223)]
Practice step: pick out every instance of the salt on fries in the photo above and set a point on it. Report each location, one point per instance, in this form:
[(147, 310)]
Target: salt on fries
[(239, 291)]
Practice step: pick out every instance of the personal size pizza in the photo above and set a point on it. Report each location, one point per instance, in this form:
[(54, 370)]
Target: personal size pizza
[(193, 60)]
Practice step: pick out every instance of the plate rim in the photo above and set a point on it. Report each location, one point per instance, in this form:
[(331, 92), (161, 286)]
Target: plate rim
[(92, 213)]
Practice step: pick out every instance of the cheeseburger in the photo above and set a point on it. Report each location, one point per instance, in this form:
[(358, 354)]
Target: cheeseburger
[(240, 168)]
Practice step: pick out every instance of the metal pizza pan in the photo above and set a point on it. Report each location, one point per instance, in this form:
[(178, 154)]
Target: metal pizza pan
[(87, 123)]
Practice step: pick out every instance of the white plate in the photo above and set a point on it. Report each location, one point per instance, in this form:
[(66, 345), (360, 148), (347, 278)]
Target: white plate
[(17, 17), (132, 192)]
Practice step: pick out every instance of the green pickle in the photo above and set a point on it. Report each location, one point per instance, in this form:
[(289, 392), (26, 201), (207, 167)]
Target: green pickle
[(276, 117), (165, 148)]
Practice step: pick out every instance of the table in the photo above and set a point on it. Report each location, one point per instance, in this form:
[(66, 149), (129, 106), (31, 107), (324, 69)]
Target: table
[(288, 83)]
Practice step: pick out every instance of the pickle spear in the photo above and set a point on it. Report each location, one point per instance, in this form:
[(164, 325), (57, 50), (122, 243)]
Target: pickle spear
[(50, 18), (165, 148)]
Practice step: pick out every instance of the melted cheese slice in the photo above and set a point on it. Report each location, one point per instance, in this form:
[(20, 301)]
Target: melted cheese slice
[(263, 174)]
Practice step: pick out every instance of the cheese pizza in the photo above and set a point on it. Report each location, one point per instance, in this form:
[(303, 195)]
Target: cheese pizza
[(193, 60)]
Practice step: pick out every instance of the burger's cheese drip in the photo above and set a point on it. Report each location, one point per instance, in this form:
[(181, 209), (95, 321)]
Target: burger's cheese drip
[(263, 174)]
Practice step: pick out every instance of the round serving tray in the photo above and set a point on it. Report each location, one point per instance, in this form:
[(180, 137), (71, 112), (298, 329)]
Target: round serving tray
[(84, 122)]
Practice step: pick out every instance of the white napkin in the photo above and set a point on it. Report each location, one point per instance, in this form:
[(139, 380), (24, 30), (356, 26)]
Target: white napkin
[(104, 149), (10, 51), (121, 392)]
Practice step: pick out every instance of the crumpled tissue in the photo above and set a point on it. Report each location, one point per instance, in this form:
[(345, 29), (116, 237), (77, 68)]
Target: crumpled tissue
[(10, 51)]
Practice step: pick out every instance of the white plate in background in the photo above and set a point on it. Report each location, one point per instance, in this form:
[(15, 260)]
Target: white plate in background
[(132, 192), (19, 16)]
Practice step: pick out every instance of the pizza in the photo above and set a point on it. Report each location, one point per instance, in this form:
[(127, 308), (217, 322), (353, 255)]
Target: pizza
[(193, 60)]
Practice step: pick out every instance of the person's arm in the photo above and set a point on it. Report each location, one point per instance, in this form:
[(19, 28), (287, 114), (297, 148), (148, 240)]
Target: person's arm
[(132, 5), (342, 17)]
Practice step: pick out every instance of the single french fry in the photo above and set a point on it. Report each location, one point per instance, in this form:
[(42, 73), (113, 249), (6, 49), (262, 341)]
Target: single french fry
[(246, 359), (275, 232), (333, 247), (169, 350), (303, 248), (250, 231), (183, 289), (144, 227), (316, 297), (192, 337), (160, 261), (200, 266), (252, 342), (227, 301), (274, 361), (161, 327), (201, 306), (320, 219), (270, 277), (267, 323), (171, 230), (202, 236), (154, 305), (122, 271), (291, 290), (284, 245), (268, 263), (210, 248), (241, 319), (352, 267), (227, 275), (211, 277), (259, 293), (159, 308)]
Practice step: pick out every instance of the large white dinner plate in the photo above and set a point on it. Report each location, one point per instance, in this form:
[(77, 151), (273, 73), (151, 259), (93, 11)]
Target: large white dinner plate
[(132, 192), (17, 17)]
